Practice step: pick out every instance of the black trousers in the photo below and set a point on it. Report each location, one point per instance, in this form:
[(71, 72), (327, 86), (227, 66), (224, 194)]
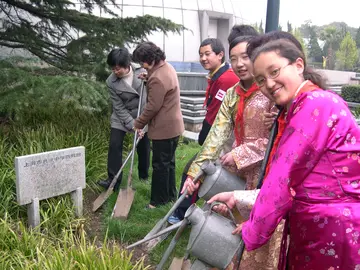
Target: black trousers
[(115, 155), (163, 185), (185, 204)]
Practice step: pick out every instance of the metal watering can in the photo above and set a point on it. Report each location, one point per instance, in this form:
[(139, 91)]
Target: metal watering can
[(211, 240), (217, 180), (199, 265)]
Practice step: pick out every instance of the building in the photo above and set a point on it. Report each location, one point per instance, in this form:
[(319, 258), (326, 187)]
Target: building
[(203, 18)]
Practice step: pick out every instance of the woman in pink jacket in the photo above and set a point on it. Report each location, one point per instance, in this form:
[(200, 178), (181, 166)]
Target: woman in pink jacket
[(313, 179)]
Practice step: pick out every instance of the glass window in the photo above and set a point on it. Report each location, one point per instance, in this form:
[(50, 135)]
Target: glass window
[(189, 4), (217, 5), (133, 2), (228, 6), (191, 38), (156, 37), (173, 41), (172, 3), (153, 3), (238, 7), (132, 11), (205, 5), (154, 11)]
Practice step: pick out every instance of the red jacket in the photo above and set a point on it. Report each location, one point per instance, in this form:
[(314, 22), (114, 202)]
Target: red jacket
[(219, 83), (222, 80)]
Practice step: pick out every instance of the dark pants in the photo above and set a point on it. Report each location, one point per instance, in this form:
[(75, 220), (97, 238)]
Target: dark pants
[(185, 204), (163, 185), (115, 155)]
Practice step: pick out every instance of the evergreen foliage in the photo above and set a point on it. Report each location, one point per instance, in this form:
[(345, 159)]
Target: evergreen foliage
[(347, 56), (60, 35), (351, 93), (27, 94), (315, 52), (261, 28), (357, 38)]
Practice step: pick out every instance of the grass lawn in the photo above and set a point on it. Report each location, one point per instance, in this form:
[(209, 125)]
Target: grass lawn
[(141, 220)]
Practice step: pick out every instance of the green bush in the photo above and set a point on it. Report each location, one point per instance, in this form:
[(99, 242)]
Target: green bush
[(21, 248), (351, 93), (27, 96)]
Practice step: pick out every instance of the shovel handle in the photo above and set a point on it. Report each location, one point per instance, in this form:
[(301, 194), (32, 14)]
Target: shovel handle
[(158, 226), (136, 139), (166, 230), (172, 244)]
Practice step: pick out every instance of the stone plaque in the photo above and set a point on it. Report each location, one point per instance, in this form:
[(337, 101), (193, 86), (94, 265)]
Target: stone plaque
[(49, 174)]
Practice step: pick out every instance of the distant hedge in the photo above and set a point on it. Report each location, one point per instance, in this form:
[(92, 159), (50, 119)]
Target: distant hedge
[(41, 95), (351, 93)]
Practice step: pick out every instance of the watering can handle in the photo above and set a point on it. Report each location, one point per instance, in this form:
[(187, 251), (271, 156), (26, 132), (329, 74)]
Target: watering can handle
[(229, 210)]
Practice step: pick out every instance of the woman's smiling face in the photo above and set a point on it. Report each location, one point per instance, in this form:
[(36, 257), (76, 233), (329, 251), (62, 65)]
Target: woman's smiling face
[(277, 78)]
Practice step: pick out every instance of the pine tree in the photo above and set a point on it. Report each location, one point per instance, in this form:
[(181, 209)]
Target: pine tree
[(66, 38), (357, 38), (314, 49), (297, 34), (347, 55), (289, 27), (261, 28)]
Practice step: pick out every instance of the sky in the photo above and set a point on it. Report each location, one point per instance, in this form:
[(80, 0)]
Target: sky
[(320, 12)]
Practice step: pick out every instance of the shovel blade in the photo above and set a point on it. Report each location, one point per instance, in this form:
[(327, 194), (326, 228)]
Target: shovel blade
[(123, 203), (154, 242), (101, 199)]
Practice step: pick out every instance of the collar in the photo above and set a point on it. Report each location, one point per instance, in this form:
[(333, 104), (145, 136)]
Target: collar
[(300, 87), (157, 66), (133, 68), (218, 72), (252, 87), (211, 74)]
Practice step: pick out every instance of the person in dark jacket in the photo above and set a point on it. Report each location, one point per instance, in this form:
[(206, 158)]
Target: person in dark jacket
[(124, 87)]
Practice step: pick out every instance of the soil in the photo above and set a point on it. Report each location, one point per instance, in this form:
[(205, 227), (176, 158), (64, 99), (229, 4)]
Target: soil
[(94, 229)]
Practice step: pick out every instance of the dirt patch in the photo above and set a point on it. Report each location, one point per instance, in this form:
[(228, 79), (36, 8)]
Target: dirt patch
[(95, 230)]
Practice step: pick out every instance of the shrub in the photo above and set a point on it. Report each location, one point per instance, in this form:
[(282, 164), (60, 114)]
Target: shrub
[(351, 93), (29, 97), (33, 250)]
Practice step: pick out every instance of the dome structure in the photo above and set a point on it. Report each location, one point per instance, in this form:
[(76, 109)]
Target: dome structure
[(203, 18)]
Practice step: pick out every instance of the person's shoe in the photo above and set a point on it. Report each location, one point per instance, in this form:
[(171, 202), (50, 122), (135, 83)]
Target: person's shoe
[(149, 207), (173, 219), (105, 183), (144, 179)]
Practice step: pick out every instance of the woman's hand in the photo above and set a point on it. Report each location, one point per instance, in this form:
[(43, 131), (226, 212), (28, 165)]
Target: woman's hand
[(228, 160), (143, 76), (238, 229), (224, 197), (269, 119), (140, 132), (190, 186)]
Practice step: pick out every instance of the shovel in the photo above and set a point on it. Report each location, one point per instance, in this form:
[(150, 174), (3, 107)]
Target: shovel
[(160, 224), (107, 193), (126, 196)]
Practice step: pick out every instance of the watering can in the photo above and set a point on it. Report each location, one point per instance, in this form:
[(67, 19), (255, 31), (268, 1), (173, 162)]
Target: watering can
[(199, 265), (218, 180), (211, 240)]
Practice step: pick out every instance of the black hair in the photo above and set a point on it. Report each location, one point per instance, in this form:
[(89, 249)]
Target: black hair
[(148, 52), (238, 40), (119, 57), (274, 35), (216, 46), (290, 51), (241, 30)]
